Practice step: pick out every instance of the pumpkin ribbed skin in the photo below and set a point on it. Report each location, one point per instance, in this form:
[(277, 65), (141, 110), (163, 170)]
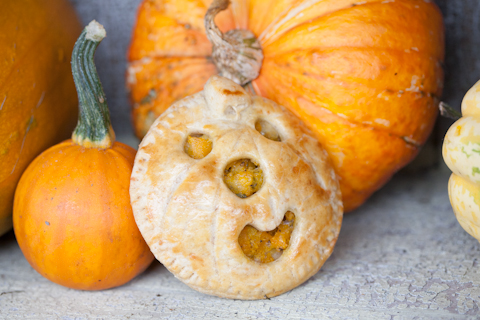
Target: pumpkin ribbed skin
[(365, 76), (73, 219), (38, 102)]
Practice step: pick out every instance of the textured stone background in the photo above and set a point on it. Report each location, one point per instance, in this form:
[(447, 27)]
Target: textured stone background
[(401, 256)]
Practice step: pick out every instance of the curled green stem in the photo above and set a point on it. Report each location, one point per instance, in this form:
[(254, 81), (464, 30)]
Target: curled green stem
[(94, 129)]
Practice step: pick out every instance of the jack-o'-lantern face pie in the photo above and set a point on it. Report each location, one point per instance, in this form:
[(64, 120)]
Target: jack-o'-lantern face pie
[(234, 195)]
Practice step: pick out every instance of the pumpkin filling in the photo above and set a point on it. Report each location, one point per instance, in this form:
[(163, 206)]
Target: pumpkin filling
[(198, 145), (267, 130), (267, 246), (243, 177)]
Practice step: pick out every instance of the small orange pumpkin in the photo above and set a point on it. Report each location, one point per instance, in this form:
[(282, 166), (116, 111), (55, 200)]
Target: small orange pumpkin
[(72, 214), (38, 105), (365, 76)]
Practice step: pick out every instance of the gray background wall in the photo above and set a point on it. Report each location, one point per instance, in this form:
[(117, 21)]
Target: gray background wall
[(462, 66)]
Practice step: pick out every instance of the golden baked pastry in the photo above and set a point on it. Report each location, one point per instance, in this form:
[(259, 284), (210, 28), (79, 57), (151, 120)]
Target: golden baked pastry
[(234, 195)]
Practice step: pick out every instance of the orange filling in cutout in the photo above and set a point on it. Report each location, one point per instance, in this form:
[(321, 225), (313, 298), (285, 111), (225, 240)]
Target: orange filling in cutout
[(243, 177), (198, 146), (267, 246)]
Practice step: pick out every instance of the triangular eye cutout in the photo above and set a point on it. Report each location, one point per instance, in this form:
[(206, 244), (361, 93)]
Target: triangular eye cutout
[(198, 145), (267, 130)]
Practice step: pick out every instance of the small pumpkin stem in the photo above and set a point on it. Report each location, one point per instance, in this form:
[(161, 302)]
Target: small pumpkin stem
[(448, 112), (94, 129), (237, 53)]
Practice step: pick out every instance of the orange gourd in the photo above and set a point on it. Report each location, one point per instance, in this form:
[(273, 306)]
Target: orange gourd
[(365, 76), (72, 215), (38, 105)]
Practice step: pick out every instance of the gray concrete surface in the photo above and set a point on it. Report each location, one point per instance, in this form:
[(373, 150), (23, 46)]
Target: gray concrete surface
[(400, 256)]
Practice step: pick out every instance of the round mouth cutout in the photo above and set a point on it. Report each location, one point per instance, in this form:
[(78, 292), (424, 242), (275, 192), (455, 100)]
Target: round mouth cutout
[(267, 246)]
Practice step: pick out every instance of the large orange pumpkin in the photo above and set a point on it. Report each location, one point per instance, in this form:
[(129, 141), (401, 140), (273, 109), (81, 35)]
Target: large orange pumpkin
[(365, 76), (72, 215), (38, 103)]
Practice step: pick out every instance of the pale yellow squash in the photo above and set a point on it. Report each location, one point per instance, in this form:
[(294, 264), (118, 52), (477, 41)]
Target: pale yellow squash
[(461, 152)]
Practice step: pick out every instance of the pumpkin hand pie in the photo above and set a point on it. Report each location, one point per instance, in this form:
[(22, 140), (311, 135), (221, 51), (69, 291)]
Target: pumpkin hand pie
[(234, 195)]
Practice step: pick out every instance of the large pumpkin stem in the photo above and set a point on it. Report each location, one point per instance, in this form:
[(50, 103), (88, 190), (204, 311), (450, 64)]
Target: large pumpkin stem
[(237, 53), (94, 129)]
